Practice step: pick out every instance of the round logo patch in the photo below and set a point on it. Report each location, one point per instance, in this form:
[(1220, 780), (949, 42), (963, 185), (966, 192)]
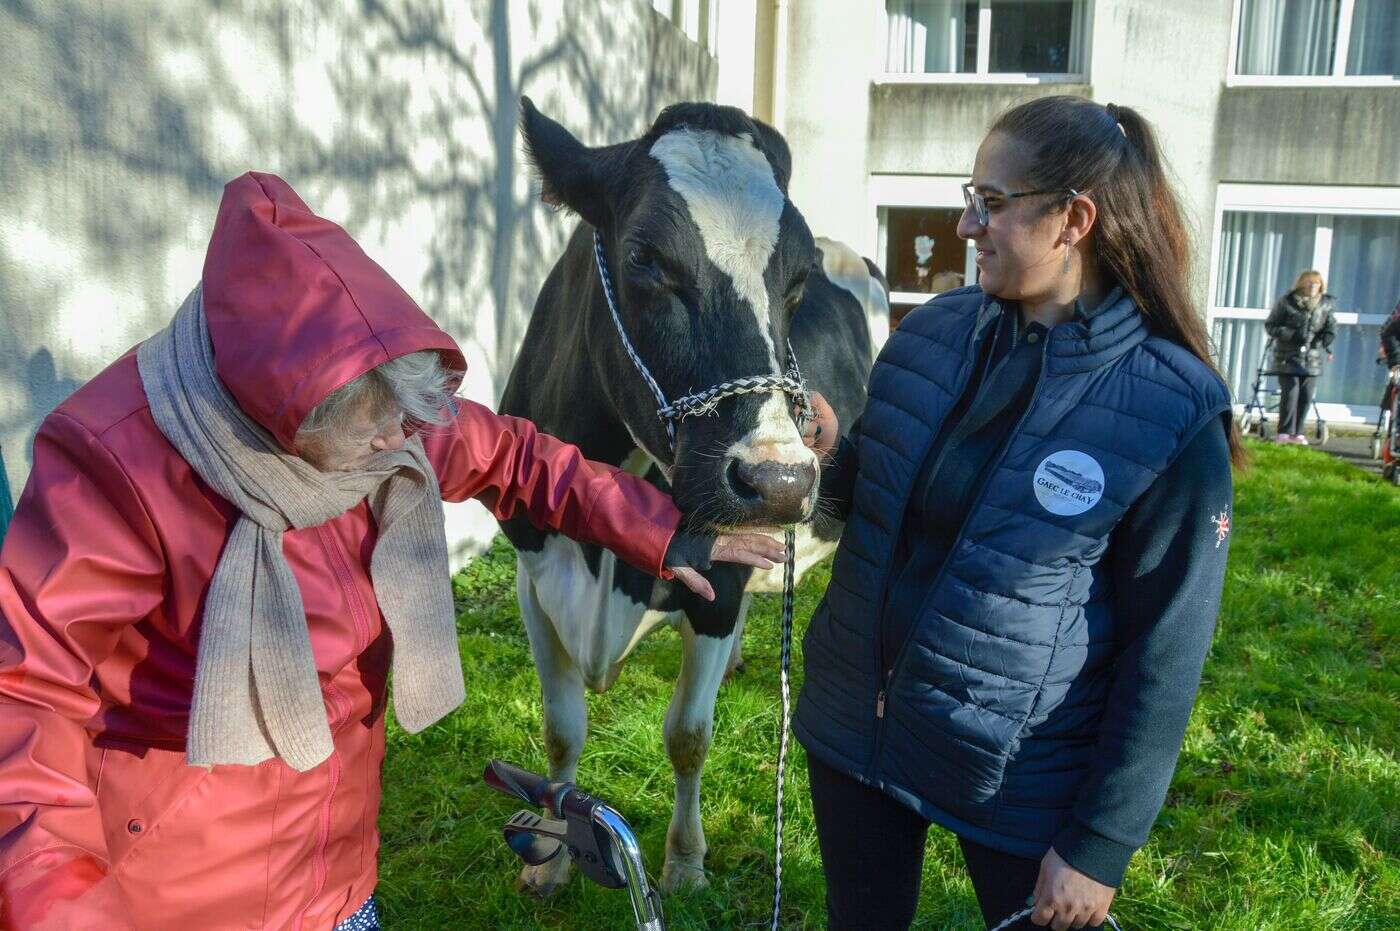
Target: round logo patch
[(1068, 482)]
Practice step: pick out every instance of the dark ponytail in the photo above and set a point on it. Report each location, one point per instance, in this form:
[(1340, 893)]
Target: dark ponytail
[(1139, 236)]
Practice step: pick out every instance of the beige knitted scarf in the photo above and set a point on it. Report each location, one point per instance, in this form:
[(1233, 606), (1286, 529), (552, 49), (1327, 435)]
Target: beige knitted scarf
[(256, 691)]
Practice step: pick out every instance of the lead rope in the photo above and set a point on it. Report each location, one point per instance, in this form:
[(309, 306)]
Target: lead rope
[(784, 663), (704, 402)]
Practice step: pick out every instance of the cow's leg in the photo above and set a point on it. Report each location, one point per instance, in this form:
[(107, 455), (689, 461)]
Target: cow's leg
[(689, 723), (736, 653), (565, 720)]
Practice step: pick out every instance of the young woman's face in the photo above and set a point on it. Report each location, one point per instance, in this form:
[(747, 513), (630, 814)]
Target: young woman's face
[(1311, 287), (350, 446), (1019, 253)]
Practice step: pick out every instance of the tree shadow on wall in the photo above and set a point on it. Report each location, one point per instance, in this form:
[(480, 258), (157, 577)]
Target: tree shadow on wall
[(605, 81), (119, 124), (123, 123)]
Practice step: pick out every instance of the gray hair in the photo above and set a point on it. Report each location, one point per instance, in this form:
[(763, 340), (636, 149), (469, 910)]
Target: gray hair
[(417, 384)]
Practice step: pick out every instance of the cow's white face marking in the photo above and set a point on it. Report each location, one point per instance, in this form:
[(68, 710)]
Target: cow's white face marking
[(775, 439), (729, 189)]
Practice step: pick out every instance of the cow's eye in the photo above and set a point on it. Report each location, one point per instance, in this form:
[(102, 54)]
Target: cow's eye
[(642, 260), (794, 296)]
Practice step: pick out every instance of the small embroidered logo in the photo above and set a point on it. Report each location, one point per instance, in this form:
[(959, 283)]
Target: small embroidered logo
[(1222, 527)]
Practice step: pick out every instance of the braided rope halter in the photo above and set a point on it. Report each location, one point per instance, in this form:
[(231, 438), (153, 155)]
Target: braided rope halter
[(701, 403)]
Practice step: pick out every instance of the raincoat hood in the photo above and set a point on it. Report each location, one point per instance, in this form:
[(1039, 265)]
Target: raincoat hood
[(296, 309)]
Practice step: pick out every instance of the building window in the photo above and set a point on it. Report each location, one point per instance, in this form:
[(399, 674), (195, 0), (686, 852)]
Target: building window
[(696, 18), (1354, 41), (990, 40), (916, 238), (1266, 235)]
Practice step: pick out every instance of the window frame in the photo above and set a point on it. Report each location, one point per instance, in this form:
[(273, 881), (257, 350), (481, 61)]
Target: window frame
[(1326, 203), (981, 74), (933, 192), (1338, 77)]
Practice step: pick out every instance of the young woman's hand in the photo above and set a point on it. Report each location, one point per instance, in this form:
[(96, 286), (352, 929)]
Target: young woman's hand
[(747, 549), (1066, 898), (822, 431)]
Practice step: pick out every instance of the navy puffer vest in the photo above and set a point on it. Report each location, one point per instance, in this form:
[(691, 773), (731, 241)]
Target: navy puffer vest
[(985, 718)]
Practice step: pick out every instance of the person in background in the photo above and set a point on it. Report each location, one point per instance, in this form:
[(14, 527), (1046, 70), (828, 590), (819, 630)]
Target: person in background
[(1303, 327), (1388, 354), (1038, 503), (229, 537)]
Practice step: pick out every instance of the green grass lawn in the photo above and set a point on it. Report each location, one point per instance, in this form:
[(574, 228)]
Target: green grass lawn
[(1285, 811)]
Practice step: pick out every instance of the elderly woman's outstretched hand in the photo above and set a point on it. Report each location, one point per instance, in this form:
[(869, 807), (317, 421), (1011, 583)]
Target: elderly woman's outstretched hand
[(747, 549)]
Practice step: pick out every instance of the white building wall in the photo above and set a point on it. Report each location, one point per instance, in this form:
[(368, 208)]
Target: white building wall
[(846, 125), (822, 103), (120, 123), (1168, 61)]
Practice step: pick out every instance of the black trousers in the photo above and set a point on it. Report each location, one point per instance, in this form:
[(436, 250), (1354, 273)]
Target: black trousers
[(873, 857), (1295, 397)]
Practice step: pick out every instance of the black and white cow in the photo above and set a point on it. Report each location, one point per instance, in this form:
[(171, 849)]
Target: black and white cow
[(714, 271)]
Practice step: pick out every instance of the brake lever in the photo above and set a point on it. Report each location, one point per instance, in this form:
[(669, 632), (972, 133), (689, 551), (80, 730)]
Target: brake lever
[(534, 839)]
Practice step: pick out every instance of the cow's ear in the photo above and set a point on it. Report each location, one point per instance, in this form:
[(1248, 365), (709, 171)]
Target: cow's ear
[(572, 175), (776, 148)]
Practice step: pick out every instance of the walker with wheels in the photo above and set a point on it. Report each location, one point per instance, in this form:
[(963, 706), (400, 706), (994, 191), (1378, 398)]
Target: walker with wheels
[(597, 839), (588, 831), (1264, 400)]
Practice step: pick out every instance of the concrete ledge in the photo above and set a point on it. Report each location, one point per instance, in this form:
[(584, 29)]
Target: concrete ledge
[(1308, 135), (936, 128)]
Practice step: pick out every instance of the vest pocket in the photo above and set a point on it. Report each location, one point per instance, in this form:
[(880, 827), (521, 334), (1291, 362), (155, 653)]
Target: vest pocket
[(963, 697)]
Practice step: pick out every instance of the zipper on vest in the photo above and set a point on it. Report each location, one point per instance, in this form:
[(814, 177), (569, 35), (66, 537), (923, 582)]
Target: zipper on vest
[(888, 674), (881, 667)]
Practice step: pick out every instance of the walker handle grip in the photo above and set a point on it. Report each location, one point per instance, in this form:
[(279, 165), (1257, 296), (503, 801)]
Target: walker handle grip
[(530, 788)]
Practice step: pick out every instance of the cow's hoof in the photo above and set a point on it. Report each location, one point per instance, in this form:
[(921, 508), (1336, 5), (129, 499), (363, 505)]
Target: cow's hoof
[(676, 876), (545, 879), (735, 670)]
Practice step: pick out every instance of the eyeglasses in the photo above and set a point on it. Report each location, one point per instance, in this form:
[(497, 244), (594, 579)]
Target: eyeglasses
[(977, 202)]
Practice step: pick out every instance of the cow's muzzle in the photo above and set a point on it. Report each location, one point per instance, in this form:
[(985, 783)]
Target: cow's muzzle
[(770, 490)]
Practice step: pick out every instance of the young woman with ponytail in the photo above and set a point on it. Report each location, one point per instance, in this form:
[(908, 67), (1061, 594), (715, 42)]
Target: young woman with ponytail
[(1038, 506)]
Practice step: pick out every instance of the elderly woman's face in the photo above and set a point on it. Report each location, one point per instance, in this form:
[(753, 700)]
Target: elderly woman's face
[(365, 431)]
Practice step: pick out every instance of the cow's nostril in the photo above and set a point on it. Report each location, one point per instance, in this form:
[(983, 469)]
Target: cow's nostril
[(782, 488), (740, 476)]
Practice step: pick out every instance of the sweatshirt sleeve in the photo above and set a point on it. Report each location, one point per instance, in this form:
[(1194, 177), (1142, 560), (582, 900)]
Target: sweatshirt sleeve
[(513, 468), (80, 564), (1168, 568)]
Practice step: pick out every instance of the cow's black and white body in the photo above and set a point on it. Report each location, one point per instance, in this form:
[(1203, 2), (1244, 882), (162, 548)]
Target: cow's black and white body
[(715, 271)]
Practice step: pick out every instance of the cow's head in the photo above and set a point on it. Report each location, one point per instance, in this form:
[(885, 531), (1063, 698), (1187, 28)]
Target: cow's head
[(708, 259)]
